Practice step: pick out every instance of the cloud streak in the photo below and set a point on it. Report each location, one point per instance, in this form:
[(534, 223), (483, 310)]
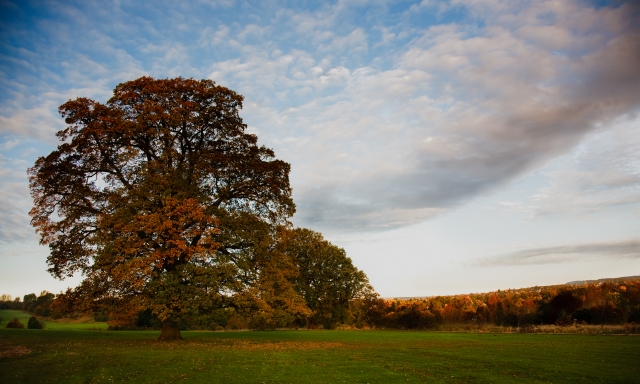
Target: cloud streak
[(629, 249), (602, 172)]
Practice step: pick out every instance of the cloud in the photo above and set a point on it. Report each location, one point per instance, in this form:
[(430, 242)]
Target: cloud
[(629, 249), (218, 3), (463, 112), (380, 134), (38, 123), (495, 106), (14, 195), (356, 41), (602, 172)]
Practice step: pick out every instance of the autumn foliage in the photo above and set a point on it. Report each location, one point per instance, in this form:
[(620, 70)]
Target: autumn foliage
[(165, 204), (608, 302), (157, 196)]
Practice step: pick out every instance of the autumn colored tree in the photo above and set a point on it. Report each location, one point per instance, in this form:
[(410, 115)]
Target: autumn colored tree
[(270, 300), (158, 198)]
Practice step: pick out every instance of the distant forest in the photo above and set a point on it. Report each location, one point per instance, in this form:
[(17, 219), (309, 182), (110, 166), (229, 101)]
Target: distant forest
[(607, 301)]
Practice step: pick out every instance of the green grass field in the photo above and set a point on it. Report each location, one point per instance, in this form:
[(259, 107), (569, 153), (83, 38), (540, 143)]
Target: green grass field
[(62, 354), (78, 325)]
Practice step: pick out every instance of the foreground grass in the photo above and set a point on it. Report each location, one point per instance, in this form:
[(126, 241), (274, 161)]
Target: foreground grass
[(315, 357)]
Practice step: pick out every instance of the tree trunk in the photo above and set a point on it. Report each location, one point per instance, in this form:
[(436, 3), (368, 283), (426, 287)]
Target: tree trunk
[(170, 331)]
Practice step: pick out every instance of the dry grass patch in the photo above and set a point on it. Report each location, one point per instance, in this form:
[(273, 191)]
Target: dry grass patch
[(252, 345), (73, 320), (623, 329), (576, 328), (13, 351)]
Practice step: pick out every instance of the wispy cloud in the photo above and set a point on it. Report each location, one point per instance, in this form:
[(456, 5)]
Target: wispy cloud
[(14, 192), (380, 135), (602, 172), (566, 253), (462, 112)]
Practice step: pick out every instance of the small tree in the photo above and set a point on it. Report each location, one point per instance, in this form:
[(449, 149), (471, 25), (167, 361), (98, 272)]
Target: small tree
[(34, 323), (15, 323), (156, 198)]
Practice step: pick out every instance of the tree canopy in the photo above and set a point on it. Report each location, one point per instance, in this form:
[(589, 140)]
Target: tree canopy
[(159, 198), (326, 278)]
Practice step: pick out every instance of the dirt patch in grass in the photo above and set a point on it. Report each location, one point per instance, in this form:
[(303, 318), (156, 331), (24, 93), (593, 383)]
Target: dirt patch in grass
[(250, 345), (13, 351)]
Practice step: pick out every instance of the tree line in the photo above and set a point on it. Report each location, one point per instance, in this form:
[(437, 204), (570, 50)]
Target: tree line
[(37, 305), (613, 302), (598, 303)]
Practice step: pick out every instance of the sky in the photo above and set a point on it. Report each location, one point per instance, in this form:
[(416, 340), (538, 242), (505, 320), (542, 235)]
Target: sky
[(449, 147)]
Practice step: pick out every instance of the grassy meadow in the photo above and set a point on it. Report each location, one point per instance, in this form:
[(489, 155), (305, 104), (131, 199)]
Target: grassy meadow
[(86, 353)]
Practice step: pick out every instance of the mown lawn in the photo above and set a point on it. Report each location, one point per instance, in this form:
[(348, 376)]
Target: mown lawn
[(315, 357)]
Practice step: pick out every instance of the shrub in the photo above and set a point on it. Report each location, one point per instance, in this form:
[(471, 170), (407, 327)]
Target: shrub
[(147, 320), (564, 319), (15, 323), (634, 316), (43, 311), (57, 315), (607, 314), (582, 315), (236, 322), (34, 323)]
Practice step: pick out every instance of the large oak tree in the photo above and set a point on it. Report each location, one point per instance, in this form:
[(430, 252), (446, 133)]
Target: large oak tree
[(158, 197)]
